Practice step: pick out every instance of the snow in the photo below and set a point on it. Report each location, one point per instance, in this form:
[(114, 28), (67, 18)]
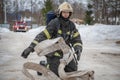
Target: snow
[(99, 32), (2, 30), (35, 31), (96, 39)]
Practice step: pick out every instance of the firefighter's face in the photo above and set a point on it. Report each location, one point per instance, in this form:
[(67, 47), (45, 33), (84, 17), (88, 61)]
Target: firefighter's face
[(65, 14)]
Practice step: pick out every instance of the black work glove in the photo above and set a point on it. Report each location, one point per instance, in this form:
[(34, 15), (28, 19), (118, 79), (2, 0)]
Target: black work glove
[(26, 52), (78, 51)]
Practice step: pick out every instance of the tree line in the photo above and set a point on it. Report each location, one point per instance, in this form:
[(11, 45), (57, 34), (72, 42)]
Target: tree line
[(96, 11), (106, 11)]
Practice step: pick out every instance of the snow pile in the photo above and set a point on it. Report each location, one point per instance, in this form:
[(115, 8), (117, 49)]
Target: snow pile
[(99, 32), (4, 30), (35, 31)]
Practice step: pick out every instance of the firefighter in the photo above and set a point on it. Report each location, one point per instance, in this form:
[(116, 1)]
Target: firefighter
[(59, 27)]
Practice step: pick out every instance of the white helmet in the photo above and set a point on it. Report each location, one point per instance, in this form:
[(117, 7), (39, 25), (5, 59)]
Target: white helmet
[(65, 6)]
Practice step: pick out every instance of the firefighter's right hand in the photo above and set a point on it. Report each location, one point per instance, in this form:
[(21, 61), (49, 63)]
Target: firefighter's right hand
[(26, 52)]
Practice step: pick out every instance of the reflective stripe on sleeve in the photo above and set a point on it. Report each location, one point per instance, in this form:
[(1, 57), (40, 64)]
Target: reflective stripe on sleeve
[(47, 34), (75, 34), (79, 44), (35, 42)]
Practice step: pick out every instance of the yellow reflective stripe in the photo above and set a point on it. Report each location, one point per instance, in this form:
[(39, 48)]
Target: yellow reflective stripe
[(68, 32), (47, 33), (75, 34), (35, 42), (57, 54), (77, 44), (47, 66), (60, 31)]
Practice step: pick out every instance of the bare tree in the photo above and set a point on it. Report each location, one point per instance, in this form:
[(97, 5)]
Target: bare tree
[(1, 12), (107, 11), (79, 10)]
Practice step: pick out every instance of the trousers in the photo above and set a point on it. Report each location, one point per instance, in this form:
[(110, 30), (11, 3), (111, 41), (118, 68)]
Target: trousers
[(54, 64)]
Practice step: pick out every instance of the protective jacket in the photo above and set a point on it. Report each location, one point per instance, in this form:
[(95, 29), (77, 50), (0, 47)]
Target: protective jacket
[(59, 27)]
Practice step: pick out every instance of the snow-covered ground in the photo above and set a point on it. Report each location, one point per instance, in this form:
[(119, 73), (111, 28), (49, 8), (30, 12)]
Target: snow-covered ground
[(100, 52)]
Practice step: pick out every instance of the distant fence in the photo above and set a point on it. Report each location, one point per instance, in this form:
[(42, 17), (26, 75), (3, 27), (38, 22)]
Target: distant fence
[(5, 25)]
